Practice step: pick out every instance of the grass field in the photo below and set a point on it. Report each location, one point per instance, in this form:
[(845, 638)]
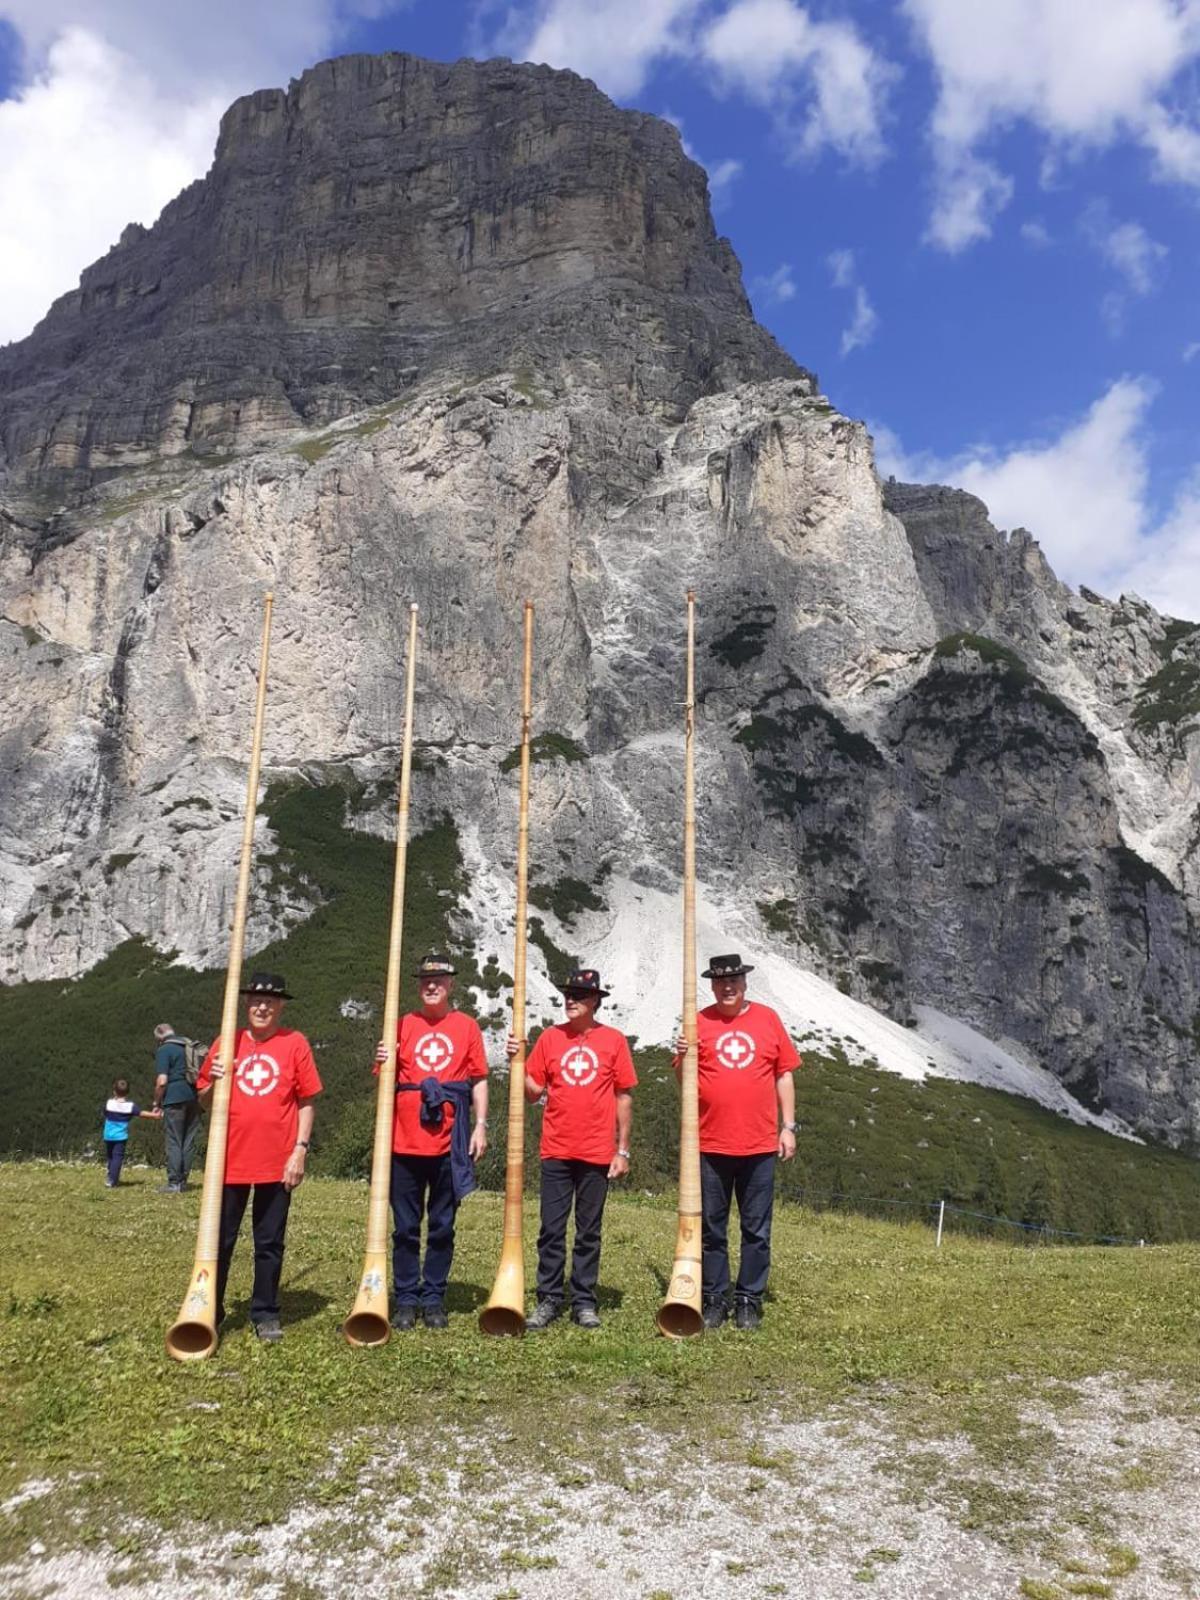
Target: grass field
[(948, 1343)]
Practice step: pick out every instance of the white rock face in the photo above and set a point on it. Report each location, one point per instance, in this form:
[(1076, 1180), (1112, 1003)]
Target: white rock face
[(993, 838)]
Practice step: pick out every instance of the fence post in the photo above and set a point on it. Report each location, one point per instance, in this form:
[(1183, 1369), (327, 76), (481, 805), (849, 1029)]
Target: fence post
[(941, 1219)]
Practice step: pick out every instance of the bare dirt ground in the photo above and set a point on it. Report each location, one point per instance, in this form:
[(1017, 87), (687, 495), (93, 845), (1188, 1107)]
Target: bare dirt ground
[(1091, 1488)]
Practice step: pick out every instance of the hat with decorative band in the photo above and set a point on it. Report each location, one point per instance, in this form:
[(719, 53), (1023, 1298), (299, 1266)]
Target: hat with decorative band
[(586, 980), (434, 966), (270, 984), (726, 967)]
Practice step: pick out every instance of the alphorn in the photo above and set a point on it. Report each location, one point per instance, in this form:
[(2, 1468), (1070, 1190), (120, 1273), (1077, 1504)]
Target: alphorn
[(368, 1323), (193, 1335), (504, 1313), (680, 1316)]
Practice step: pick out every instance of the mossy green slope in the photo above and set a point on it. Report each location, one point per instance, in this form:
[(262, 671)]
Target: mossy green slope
[(874, 1140)]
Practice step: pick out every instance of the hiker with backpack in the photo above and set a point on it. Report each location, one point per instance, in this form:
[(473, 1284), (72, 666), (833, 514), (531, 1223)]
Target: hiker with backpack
[(177, 1063)]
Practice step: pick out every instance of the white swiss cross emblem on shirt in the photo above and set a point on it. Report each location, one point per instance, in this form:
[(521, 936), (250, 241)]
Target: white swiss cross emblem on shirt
[(434, 1052), (579, 1066), (258, 1074), (735, 1050)]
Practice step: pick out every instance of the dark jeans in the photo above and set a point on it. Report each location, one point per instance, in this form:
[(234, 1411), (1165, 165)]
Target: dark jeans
[(114, 1149), (752, 1180), (269, 1219), (180, 1125), (585, 1183), (422, 1186)]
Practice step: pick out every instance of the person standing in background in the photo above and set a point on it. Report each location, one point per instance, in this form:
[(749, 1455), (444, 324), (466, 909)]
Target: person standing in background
[(175, 1095), (119, 1112)]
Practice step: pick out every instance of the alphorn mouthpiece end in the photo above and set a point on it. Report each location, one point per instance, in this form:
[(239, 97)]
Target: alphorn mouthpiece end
[(691, 595), (413, 609), (269, 597)]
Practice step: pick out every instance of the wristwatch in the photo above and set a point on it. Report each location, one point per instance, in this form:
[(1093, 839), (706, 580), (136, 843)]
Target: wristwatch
[(624, 1155), (301, 1144), (790, 1127)]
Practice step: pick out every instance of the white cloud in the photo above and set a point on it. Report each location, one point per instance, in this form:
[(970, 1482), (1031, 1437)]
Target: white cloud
[(1085, 72), (613, 42), (843, 271), (779, 286), (1191, 351), (1127, 247), (841, 268), (1037, 234), (822, 84), (722, 175), (721, 179), (1084, 494), (970, 194), (116, 111)]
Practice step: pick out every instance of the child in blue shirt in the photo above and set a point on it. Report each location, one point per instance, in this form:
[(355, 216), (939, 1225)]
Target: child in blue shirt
[(119, 1112)]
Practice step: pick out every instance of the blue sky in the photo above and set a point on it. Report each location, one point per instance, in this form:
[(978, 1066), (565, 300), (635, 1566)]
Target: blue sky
[(978, 224)]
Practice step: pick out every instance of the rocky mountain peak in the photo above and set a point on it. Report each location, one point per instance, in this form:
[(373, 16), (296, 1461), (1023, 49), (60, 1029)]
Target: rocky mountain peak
[(381, 220)]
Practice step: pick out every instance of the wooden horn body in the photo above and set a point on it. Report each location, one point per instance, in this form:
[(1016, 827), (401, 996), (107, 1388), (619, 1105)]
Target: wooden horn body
[(504, 1314), (193, 1335), (368, 1322), (680, 1316)]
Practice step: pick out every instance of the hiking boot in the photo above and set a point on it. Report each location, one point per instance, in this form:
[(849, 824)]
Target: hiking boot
[(403, 1318), (434, 1315), (168, 1188), (715, 1312), (747, 1315), (585, 1317), (543, 1314), (268, 1331)]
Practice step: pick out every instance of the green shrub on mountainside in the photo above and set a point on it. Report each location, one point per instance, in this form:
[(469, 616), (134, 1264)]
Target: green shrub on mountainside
[(545, 747), (1170, 698), (880, 1142)]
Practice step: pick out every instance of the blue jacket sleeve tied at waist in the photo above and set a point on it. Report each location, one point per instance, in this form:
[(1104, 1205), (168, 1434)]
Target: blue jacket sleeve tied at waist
[(434, 1097)]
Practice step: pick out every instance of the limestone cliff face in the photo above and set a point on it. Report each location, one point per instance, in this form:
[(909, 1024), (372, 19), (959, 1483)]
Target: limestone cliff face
[(383, 219), (927, 769)]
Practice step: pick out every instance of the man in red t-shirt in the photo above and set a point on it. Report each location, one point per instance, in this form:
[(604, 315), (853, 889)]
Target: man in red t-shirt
[(746, 1061), (431, 1153), (275, 1083), (586, 1072)]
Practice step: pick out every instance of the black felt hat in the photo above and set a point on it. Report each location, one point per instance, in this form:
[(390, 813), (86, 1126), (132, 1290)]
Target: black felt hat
[(268, 983), (726, 967), (586, 979), (435, 966)]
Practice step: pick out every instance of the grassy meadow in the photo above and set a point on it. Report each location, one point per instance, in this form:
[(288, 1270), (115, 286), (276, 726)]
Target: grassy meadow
[(92, 1278)]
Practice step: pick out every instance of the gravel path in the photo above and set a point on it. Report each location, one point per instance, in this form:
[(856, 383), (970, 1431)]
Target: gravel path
[(1096, 1490)]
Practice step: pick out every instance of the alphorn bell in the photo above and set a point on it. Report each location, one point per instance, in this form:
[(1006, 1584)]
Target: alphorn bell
[(504, 1313), (193, 1335), (680, 1315), (368, 1323)]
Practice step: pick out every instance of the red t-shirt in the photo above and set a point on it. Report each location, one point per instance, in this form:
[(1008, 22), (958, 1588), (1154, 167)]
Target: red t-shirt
[(582, 1073), (739, 1060), (450, 1049), (269, 1080)]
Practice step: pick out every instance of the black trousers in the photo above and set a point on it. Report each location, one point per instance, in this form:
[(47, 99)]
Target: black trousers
[(752, 1180), (269, 1221), (583, 1184)]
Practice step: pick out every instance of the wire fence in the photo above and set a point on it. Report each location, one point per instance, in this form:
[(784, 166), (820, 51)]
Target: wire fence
[(937, 1212)]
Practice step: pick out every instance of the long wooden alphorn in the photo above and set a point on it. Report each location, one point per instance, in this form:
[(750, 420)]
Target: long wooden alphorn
[(504, 1313), (193, 1335), (680, 1315), (368, 1323)]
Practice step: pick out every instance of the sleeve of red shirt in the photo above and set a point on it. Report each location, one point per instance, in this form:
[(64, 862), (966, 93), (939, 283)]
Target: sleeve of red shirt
[(788, 1058), (308, 1079), (476, 1059), (204, 1081), (626, 1077), (535, 1066)]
